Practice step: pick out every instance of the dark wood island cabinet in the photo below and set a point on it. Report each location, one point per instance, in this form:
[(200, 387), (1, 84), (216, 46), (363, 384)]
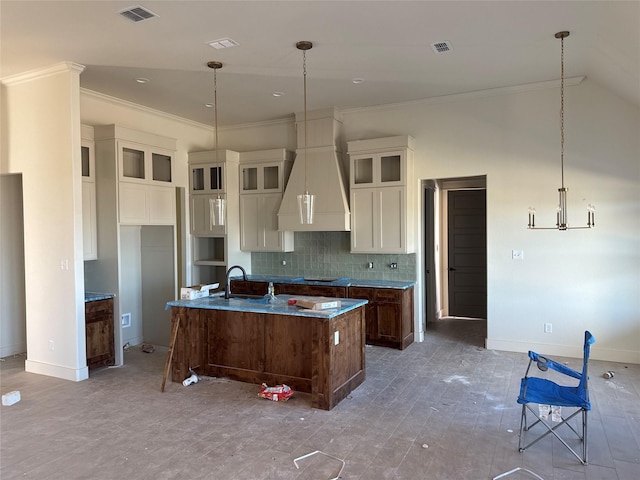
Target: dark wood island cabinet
[(314, 352)]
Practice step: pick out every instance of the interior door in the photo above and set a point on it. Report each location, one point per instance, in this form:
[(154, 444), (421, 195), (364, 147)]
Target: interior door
[(467, 253)]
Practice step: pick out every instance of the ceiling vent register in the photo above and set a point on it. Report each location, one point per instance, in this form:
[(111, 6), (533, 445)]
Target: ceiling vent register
[(441, 47), (137, 14)]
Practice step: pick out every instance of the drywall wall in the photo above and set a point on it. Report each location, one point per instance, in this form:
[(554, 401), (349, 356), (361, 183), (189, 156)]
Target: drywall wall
[(43, 144), (576, 280)]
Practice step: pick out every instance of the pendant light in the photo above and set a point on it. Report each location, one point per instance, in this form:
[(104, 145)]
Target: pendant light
[(562, 222), (306, 200), (216, 205)]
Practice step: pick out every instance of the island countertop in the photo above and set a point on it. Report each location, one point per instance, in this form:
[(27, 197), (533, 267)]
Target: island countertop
[(95, 296), (261, 305)]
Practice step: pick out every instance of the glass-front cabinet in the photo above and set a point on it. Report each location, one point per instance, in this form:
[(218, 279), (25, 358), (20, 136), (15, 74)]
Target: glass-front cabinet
[(263, 175), (144, 164), (380, 193)]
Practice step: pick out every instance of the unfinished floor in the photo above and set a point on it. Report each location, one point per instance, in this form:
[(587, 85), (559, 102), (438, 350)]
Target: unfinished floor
[(443, 409)]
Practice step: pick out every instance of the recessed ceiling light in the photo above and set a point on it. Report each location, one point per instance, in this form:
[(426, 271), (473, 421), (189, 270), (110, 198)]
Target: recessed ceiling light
[(223, 43), (278, 94), (142, 80), (357, 80)]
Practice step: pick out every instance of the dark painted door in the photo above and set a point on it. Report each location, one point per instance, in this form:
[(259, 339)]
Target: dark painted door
[(467, 244)]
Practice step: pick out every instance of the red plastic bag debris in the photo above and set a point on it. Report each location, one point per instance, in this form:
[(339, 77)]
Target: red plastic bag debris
[(279, 393)]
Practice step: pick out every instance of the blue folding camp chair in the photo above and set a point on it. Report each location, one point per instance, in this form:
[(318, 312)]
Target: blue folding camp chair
[(534, 390)]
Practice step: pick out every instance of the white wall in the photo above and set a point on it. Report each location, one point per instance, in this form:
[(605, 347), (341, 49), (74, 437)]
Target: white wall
[(577, 280), (42, 123), (13, 322)]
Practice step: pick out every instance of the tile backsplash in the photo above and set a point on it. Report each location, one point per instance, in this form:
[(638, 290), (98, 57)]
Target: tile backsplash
[(327, 254)]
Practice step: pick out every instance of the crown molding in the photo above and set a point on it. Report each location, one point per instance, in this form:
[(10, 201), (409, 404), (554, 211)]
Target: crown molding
[(43, 72)]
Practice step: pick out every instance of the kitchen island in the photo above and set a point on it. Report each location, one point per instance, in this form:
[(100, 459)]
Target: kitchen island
[(252, 340)]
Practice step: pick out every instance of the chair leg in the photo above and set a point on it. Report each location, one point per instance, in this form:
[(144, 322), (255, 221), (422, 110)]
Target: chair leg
[(552, 430), (585, 451), (523, 426)]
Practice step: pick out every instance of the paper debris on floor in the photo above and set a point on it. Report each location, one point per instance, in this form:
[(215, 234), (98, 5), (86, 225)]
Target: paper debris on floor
[(279, 393)]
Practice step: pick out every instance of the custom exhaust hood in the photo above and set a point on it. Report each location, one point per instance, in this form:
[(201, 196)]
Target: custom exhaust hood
[(324, 176)]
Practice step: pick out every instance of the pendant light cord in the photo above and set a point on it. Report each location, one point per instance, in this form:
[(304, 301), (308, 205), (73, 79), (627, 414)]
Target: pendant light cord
[(215, 112), (562, 109), (304, 75)]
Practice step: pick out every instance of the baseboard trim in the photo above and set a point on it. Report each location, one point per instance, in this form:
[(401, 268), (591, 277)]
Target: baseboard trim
[(597, 353), (65, 373)]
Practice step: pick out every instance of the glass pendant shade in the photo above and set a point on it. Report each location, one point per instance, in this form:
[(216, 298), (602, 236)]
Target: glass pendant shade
[(216, 211), (305, 208)]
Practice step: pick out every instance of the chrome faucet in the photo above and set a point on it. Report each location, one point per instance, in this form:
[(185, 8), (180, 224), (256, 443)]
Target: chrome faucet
[(227, 288)]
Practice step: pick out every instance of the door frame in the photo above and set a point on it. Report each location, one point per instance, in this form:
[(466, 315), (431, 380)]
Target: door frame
[(436, 306)]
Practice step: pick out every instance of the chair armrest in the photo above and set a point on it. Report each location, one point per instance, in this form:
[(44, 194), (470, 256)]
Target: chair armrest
[(553, 365)]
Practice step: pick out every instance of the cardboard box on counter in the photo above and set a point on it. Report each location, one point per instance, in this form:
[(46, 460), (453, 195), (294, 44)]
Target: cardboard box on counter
[(197, 291), (317, 303)]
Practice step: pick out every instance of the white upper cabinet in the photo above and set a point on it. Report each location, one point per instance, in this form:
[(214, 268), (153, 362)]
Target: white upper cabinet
[(144, 163), (263, 175), (381, 215)]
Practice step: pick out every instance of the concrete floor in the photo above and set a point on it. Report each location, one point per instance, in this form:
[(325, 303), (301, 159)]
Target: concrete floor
[(443, 409)]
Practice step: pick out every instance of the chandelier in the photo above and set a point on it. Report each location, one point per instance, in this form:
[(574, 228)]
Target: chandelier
[(562, 222)]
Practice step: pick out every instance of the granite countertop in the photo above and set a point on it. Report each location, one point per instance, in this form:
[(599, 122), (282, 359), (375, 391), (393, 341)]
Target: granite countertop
[(94, 296), (330, 282), (261, 305)]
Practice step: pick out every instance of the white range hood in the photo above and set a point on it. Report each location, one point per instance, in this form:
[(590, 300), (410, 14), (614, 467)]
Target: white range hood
[(324, 176)]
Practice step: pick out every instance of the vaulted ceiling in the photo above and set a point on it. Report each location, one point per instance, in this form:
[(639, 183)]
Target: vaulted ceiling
[(385, 44)]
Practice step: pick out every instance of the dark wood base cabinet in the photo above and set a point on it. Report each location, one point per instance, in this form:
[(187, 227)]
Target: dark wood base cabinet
[(389, 315), (274, 349), (99, 333)]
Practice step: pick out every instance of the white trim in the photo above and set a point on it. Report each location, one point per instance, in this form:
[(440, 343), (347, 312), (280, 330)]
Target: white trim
[(118, 101), (66, 373), (459, 97), (42, 72), (605, 354)]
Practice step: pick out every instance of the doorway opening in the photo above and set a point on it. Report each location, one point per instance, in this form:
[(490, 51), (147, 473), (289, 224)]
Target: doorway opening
[(455, 246)]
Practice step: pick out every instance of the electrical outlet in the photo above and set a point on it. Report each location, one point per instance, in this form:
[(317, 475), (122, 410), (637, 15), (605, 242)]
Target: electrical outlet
[(51, 345), (125, 320), (517, 254), (336, 337), (393, 266), (548, 328)]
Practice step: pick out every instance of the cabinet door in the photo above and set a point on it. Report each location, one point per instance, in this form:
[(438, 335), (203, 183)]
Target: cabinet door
[(261, 178), (391, 216), (259, 224), (388, 322), (89, 227), (206, 178), (201, 217), (251, 230), (272, 239), (99, 333), (161, 166), (132, 203), (362, 220), (132, 162), (162, 205)]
